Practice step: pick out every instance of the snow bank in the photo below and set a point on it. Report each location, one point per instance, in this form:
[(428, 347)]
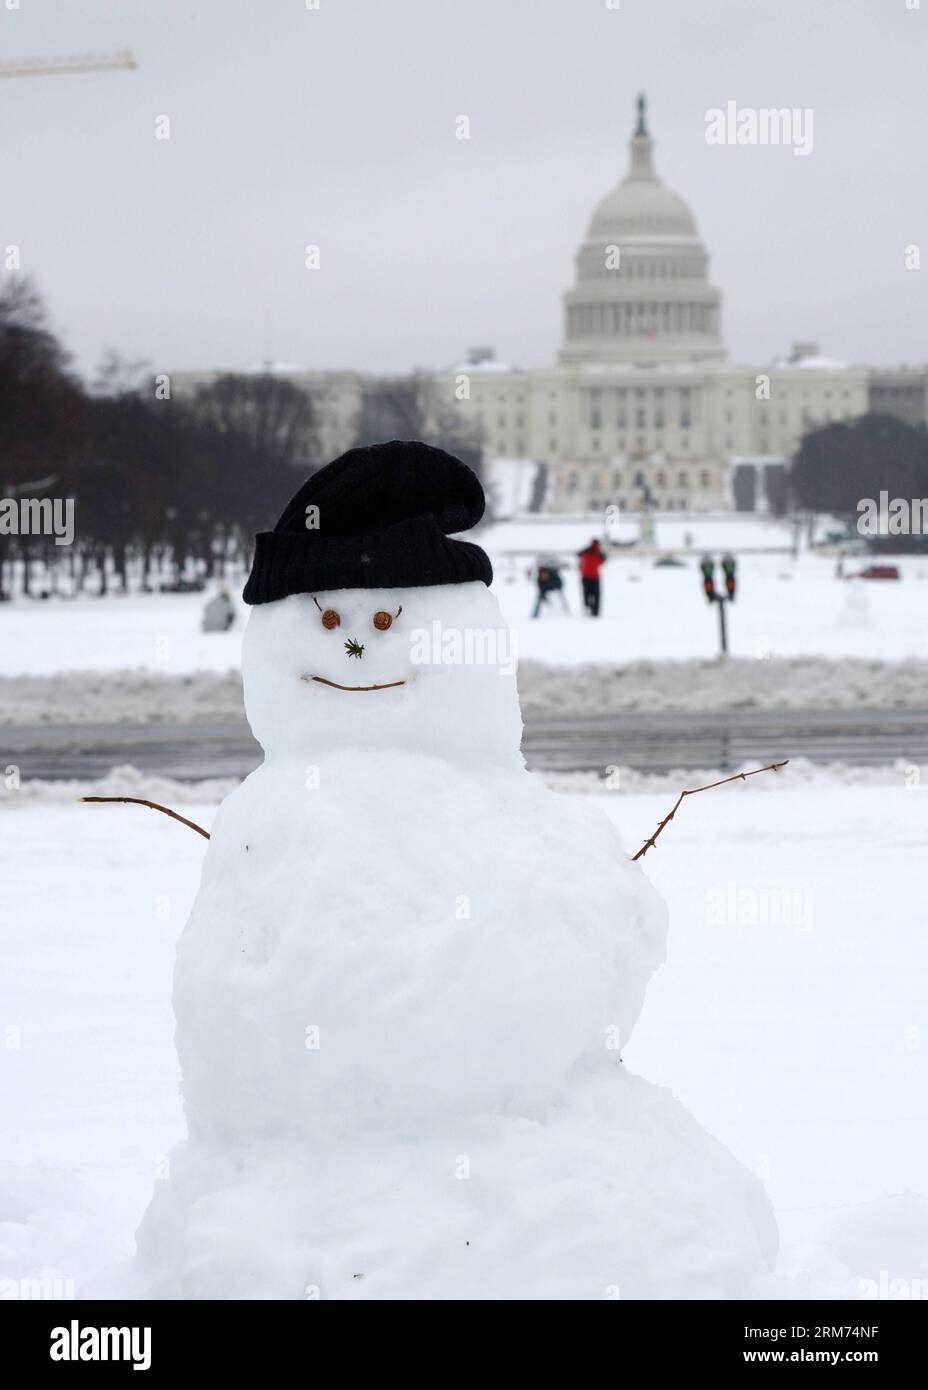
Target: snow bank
[(121, 781), (800, 772), (783, 683), (866, 1251), (624, 781), (121, 697), (56, 1231), (738, 683)]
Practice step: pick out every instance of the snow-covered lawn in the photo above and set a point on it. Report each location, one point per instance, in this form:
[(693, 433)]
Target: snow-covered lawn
[(801, 1044), (784, 608)]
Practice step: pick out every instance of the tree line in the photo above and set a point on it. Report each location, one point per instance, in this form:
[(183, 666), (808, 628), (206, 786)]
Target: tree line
[(167, 489), (839, 465)]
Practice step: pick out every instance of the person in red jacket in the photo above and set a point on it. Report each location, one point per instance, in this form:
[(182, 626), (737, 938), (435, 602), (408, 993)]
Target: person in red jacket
[(591, 560)]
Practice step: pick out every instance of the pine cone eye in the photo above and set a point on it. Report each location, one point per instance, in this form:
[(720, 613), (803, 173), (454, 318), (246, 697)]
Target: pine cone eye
[(330, 619), (382, 620)]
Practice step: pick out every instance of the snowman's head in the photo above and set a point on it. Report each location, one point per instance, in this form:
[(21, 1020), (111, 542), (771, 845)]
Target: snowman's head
[(429, 669), (372, 624)]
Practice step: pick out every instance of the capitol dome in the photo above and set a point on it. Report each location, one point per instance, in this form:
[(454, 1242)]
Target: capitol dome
[(642, 292), (640, 206)]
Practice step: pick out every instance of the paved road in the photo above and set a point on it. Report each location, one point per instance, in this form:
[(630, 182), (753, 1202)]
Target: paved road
[(650, 742)]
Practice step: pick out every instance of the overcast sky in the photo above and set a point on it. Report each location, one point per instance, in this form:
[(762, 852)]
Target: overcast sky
[(336, 127)]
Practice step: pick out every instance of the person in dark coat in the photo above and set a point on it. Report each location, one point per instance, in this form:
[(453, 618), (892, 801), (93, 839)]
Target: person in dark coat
[(549, 581), (591, 560)]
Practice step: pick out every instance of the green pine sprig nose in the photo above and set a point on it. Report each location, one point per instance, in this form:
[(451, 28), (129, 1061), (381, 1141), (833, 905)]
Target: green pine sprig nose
[(354, 648)]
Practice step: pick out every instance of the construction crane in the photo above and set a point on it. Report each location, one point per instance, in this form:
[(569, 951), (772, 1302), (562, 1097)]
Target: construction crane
[(80, 62)]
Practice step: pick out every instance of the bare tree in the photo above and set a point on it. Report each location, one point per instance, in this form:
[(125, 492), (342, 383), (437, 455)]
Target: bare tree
[(417, 407), (276, 417), (116, 375)]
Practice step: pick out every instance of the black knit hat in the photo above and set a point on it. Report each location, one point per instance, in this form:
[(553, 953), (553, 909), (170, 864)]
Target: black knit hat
[(385, 517)]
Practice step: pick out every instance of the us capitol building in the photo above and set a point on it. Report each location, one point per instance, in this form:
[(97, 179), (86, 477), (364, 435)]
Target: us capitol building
[(640, 406)]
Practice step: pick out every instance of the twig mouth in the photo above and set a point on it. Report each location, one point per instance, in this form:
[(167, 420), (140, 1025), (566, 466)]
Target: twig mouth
[(388, 685)]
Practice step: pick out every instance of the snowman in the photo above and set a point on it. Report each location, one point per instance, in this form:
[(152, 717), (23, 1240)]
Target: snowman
[(407, 977)]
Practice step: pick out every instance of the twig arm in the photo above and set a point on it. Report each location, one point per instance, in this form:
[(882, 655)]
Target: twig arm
[(666, 821), (649, 843), (152, 806), (691, 791)]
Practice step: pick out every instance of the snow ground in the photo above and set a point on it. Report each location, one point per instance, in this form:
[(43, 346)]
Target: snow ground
[(800, 1046), (784, 608)]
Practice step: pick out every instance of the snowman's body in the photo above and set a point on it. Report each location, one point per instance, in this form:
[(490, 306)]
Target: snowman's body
[(401, 994)]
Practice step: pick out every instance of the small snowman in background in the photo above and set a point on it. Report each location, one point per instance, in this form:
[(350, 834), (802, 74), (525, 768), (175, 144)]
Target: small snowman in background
[(855, 609), (410, 968)]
